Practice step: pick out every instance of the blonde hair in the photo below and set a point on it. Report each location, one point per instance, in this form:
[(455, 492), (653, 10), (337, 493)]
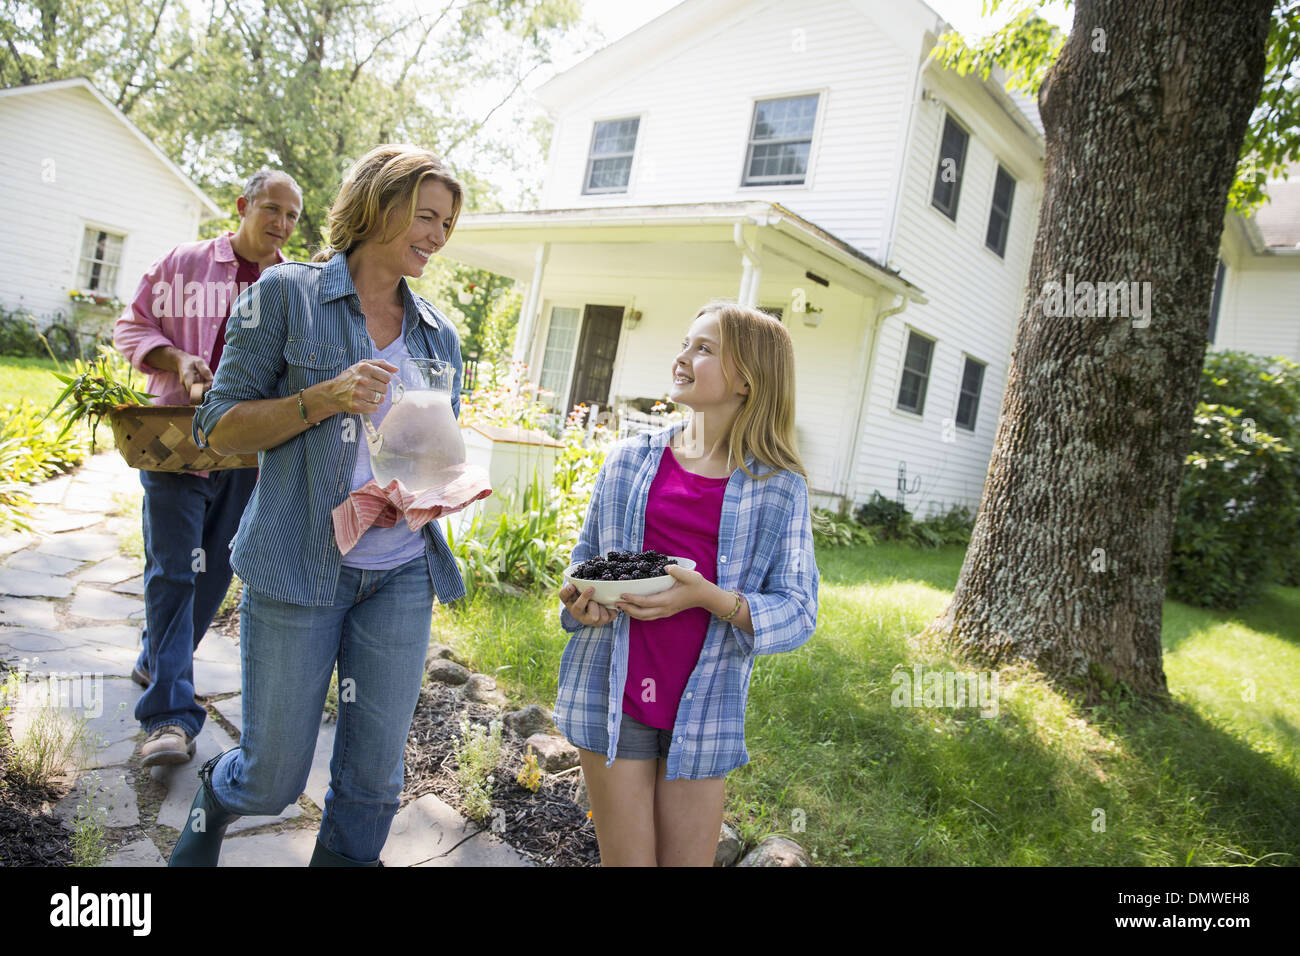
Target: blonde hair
[(385, 180), (759, 348)]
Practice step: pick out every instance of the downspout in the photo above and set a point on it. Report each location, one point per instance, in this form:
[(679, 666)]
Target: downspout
[(532, 305), (752, 268), (876, 324)]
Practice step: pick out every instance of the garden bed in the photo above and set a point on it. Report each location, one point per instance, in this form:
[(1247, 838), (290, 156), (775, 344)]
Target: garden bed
[(547, 826), (29, 834)]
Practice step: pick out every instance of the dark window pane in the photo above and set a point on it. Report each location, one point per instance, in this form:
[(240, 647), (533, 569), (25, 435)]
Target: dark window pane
[(610, 163), (1004, 190), (916, 372), (972, 379), (952, 159)]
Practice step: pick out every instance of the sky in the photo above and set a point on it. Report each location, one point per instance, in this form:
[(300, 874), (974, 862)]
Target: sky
[(616, 18)]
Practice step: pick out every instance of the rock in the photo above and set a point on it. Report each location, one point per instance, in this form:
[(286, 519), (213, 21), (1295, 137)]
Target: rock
[(447, 672), (439, 652), (553, 753), (531, 720), (776, 851), (580, 796), (483, 689), (729, 846)]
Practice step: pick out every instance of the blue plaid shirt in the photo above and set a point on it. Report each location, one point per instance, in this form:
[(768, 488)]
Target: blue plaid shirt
[(765, 551), (301, 324)]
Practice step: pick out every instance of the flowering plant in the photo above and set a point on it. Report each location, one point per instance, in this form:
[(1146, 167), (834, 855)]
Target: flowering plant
[(506, 397), (91, 298)]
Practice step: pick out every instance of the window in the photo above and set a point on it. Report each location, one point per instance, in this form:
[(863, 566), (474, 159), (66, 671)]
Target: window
[(775, 311), (952, 158), (609, 168), (1216, 301), (1004, 190), (916, 373), (561, 338), (968, 401), (101, 253), (780, 140)]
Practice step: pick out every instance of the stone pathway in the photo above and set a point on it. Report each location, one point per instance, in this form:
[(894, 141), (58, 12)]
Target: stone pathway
[(70, 616)]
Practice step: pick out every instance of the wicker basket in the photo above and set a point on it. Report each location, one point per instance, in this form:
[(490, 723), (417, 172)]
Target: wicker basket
[(159, 438)]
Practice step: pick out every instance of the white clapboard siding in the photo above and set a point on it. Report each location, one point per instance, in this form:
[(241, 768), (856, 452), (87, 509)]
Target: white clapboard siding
[(1260, 310), (696, 109), (826, 357), (975, 299), (67, 162)]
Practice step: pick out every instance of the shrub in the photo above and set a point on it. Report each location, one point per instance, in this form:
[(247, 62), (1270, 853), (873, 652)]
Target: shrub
[(831, 530), (891, 521), (1238, 524), (19, 335), (32, 449)]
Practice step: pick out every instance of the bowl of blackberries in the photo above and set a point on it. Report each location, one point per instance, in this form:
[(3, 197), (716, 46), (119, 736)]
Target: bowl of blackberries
[(625, 572)]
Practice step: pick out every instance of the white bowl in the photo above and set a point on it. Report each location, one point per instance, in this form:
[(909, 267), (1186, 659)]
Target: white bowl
[(608, 592)]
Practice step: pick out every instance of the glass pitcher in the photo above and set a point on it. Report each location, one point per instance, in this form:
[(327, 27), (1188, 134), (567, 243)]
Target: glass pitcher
[(419, 439)]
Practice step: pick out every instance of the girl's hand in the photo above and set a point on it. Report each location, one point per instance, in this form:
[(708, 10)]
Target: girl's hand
[(587, 611), (690, 590)]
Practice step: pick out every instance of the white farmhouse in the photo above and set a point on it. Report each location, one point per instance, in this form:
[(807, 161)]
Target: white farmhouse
[(90, 202), (809, 158)]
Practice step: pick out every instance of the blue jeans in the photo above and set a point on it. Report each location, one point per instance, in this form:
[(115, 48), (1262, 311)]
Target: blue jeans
[(377, 630), (180, 513)]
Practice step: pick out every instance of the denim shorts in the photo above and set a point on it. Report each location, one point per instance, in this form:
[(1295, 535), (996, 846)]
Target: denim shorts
[(638, 741)]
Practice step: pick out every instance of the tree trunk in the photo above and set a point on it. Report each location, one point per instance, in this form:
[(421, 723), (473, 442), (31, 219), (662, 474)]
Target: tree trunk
[(1144, 112)]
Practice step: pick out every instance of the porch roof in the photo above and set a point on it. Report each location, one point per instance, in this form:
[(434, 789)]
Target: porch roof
[(695, 239)]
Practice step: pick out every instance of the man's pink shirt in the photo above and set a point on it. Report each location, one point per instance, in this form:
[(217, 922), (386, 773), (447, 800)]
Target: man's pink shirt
[(183, 301)]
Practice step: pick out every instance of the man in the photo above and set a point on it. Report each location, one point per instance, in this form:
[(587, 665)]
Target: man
[(174, 330)]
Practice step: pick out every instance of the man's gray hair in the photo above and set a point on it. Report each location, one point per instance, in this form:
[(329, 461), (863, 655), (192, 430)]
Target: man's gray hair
[(260, 179)]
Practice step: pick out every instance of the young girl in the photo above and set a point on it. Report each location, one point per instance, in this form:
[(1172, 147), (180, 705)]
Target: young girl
[(653, 690)]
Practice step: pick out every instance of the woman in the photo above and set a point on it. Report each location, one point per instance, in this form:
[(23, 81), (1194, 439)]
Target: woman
[(309, 350)]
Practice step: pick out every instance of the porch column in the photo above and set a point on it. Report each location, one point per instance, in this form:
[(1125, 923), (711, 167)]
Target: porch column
[(532, 306), (751, 268)]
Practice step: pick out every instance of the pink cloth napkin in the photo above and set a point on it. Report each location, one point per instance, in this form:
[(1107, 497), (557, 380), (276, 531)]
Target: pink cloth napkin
[(371, 505)]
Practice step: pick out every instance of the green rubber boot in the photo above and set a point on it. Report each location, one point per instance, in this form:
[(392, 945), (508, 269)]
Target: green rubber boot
[(200, 842), (323, 856)]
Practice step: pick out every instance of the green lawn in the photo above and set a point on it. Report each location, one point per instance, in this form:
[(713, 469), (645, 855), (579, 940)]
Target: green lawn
[(28, 378), (1214, 779)]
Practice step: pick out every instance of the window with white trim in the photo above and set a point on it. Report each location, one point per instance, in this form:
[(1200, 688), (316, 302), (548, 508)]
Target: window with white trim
[(1004, 190), (561, 341), (916, 373), (780, 140), (101, 254), (952, 159), (609, 164), (968, 399)]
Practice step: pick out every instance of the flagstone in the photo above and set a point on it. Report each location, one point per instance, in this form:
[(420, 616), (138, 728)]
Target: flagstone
[(140, 852), (25, 612), (112, 571), (43, 563), (100, 605), (84, 545), (33, 584)]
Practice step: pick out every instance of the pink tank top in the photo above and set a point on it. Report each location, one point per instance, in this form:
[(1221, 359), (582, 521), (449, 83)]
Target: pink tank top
[(681, 520)]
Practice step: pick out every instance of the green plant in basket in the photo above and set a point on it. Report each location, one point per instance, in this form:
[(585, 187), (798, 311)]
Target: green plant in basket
[(95, 389)]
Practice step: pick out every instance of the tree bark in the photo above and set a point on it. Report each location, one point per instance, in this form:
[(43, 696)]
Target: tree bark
[(1144, 111)]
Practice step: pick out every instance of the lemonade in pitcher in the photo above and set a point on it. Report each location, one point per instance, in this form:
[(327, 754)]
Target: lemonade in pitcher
[(419, 440)]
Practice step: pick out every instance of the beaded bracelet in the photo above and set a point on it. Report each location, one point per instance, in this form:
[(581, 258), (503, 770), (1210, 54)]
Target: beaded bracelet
[(302, 410), (735, 610)]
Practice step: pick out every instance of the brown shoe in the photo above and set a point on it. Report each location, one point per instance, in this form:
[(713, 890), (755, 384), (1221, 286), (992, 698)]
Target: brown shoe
[(141, 677), (166, 746)]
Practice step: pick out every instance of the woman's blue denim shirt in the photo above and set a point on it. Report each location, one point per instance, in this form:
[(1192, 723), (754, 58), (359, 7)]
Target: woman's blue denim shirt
[(301, 323)]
